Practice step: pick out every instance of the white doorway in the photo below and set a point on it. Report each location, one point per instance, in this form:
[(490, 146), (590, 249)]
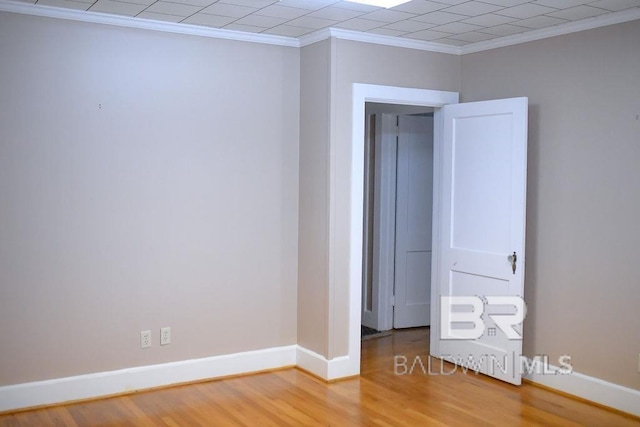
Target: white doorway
[(505, 119), (396, 291)]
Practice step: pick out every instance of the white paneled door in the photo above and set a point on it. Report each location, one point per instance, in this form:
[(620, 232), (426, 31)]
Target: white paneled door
[(414, 189), (478, 281)]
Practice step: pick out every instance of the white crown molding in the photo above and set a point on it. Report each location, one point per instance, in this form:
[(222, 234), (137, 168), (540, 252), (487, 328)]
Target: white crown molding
[(315, 37), (377, 39), (102, 384), (145, 24), (590, 388), (558, 30)]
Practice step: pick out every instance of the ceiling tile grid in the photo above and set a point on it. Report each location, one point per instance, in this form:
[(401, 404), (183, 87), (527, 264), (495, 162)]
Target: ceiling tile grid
[(448, 22)]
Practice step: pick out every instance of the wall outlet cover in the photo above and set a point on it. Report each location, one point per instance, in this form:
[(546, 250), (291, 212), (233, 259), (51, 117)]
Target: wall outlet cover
[(165, 336), (145, 339)]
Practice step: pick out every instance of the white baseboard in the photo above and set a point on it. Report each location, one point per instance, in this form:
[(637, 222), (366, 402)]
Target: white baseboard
[(590, 388), (126, 380), (89, 386), (340, 367)]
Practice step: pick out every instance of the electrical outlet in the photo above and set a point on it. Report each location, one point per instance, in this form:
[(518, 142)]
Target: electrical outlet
[(145, 339), (165, 336)]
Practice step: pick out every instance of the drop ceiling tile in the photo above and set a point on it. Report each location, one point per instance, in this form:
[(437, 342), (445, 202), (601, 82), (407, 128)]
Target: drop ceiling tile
[(257, 4), (451, 2), (387, 32), (525, 11), (260, 21), (207, 20), (335, 13), (359, 24), (420, 7), (426, 35), (538, 22), (578, 12), (230, 10), (90, 2), (456, 28), (473, 37), (117, 7), (168, 8), (67, 4), (616, 5), (288, 31), (355, 6), (387, 15), (409, 26), (284, 12), (506, 3), (440, 18), (201, 3), (473, 8), (504, 30), (489, 20), (308, 4), (315, 23), (244, 28), (145, 2), (560, 4), (160, 17)]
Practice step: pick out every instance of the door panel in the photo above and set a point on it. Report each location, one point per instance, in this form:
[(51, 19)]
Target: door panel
[(414, 209), (381, 219), (488, 204), (482, 223)]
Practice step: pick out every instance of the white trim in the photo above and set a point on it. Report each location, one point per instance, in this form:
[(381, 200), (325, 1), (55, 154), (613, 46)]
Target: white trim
[(377, 39), (145, 24), (438, 160), (102, 384), (144, 377), (586, 387), (388, 95), (310, 361), (314, 37), (558, 30)]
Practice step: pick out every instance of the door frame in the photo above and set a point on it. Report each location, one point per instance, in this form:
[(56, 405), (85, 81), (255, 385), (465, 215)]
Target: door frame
[(363, 93)]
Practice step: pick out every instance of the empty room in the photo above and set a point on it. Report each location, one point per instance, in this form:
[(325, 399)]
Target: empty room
[(204, 204)]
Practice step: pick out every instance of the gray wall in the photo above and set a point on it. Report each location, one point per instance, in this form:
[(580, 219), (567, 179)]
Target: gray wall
[(146, 180), (582, 279), (383, 65), (328, 70), (315, 83)]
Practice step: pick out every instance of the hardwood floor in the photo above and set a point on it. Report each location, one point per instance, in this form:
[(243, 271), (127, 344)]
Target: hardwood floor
[(378, 397)]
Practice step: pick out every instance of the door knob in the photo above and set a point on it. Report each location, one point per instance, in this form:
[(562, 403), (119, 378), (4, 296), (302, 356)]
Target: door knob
[(512, 259)]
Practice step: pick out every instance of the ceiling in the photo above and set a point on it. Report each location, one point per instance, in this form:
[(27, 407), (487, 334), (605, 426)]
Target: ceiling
[(444, 22)]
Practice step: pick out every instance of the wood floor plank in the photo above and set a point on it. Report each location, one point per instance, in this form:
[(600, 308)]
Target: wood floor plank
[(431, 395)]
